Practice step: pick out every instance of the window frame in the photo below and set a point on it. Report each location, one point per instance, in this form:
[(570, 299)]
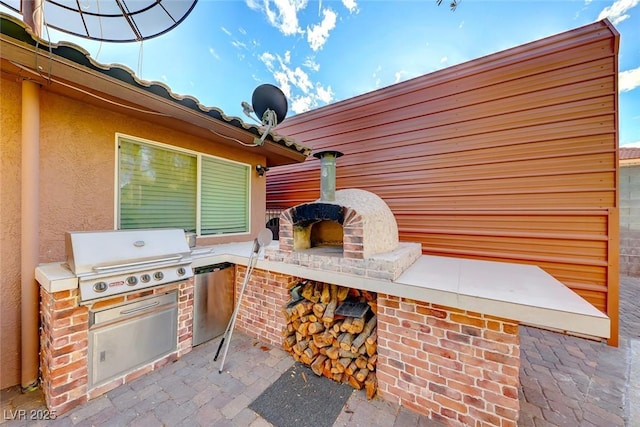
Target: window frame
[(199, 156)]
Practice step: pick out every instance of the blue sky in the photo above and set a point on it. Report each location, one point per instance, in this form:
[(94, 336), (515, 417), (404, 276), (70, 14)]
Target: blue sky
[(327, 51)]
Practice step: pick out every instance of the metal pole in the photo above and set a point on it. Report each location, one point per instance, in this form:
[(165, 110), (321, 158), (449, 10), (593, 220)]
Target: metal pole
[(252, 260)]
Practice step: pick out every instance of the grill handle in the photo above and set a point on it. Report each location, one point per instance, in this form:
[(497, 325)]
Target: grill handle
[(135, 310), (136, 264)]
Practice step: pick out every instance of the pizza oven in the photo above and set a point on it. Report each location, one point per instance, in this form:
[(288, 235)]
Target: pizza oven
[(350, 230)]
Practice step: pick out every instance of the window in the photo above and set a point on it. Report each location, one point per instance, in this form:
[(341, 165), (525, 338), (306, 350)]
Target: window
[(164, 187)]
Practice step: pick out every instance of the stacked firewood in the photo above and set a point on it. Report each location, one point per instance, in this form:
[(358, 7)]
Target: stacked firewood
[(337, 346)]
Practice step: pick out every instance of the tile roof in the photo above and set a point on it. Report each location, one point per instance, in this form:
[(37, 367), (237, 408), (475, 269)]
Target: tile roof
[(629, 153), (16, 29)]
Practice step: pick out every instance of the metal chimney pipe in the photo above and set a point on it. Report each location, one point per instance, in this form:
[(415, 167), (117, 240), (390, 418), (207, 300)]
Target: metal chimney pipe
[(328, 174)]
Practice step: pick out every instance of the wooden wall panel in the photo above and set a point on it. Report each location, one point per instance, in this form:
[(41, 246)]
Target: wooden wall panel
[(510, 157)]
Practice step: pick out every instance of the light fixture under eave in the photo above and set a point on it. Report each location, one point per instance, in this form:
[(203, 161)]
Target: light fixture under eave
[(269, 103), (116, 21)]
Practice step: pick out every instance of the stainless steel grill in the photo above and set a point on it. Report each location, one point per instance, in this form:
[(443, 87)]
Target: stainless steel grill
[(114, 262)]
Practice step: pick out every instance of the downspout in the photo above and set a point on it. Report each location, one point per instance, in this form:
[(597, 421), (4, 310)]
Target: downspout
[(29, 252), (30, 199)]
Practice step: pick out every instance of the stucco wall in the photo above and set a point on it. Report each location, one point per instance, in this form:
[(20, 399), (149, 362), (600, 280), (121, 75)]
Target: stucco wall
[(77, 184), (630, 220), (10, 233)]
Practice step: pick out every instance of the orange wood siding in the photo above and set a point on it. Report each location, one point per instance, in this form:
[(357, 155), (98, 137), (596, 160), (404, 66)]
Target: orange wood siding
[(509, 157)]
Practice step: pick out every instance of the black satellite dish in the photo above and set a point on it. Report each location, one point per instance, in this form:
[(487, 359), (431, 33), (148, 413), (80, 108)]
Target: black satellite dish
[(269, 97)]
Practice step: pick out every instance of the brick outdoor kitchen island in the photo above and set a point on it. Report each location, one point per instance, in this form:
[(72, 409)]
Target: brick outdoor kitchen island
[(447, 328)]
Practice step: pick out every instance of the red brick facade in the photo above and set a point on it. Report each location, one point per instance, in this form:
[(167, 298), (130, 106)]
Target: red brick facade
[(457, 366), (266, 293)]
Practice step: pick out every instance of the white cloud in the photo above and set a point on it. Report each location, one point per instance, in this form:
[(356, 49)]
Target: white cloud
[(461, 24), (628, 80), (324, 94), (253, 4), (224, 30), (295, 83), (311, 64), (399, 75), (284, 16), (242, 31), (213, 53), (631, 145), (300, 79), (267, 58), (318, 34), (283, 82), (444, 59), (300, 104), (238, 44), (288, 77), (617, 12), (351, 5), (376, 76)]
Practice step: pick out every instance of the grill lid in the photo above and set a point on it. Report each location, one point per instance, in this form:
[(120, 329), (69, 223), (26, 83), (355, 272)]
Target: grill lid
[(94, 252)]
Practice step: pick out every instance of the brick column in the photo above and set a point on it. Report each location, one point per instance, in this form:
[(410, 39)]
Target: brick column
[(63, 350), (185, 316), (260, 314), (456, 366)]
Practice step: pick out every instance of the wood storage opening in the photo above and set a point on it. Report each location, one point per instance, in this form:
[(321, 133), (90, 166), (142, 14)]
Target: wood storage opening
[(332, 329)]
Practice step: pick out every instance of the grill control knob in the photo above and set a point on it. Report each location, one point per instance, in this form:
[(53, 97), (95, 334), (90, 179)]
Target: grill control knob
[(132, 280), (100, 286), (158, 275), (145, 278), (182, 271)]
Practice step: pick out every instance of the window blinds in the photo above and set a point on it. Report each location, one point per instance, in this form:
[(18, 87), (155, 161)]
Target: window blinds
[(225, 196), (158, 188)]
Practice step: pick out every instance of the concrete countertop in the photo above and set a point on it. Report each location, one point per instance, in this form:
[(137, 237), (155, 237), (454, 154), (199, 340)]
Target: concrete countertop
[(521, 292), (524, 293)]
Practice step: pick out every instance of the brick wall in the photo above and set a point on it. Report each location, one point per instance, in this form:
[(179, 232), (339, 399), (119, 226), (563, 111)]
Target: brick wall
[(64, 343), (63, 350), (260, 315), (457, 366)]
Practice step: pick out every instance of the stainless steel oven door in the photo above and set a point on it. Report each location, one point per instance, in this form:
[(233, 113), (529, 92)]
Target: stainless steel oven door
[(126, 337)]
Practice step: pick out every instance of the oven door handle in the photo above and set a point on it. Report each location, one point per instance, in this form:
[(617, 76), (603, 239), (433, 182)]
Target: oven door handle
[(137, 309), (137, 263)]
